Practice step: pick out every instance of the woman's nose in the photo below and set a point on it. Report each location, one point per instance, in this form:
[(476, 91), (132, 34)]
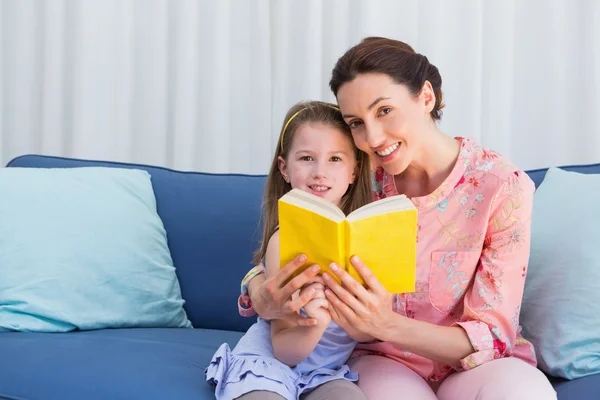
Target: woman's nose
[(375, 136)]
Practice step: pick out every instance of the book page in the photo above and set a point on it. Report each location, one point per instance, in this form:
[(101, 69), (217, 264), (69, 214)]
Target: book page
[(386, 243), (302, 231), (313, 203), (384, 206)]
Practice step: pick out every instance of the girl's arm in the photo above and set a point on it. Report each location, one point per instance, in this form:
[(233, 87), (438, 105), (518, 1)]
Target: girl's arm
[(293, 343)]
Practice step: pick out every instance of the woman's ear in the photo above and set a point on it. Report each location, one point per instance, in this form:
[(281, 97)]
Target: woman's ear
[(281, 164), (427, 96)]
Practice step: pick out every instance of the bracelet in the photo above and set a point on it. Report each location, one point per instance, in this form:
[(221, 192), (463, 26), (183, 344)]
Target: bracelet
[(257, 270)]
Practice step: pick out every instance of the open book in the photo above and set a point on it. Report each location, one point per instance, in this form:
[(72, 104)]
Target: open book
[(383, 234)]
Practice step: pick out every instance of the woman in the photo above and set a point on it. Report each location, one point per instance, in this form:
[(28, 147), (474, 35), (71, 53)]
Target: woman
[(457, 336)]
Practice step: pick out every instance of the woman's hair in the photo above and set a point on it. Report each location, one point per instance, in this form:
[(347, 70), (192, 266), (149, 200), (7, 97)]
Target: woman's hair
[(359, 192), (394, 58)]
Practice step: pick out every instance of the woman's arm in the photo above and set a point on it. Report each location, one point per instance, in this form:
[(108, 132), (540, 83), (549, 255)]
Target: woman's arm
[(447, 345), (492, 306), (370, 311), (293, 343)]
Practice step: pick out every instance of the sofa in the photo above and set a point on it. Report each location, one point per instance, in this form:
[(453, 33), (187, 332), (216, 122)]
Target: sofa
[(212, 225)]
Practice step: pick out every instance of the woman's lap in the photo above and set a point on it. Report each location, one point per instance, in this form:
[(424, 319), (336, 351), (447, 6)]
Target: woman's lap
[(505, 378), (382, 378)]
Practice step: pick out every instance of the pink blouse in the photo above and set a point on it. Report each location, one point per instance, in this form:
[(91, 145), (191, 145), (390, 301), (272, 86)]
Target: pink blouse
[(472, 257)]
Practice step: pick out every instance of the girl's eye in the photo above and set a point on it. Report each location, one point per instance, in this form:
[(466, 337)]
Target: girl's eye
[(385, 110), (354, 124), (336, 159), (306, 158)]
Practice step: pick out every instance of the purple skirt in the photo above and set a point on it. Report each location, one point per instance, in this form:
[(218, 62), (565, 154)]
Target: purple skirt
[(251, 365)]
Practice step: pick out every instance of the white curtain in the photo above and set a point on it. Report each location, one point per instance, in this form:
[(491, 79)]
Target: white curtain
[(204, 85)]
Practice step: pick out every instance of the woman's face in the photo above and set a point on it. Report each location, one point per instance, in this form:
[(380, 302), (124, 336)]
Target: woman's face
[(385, 119)]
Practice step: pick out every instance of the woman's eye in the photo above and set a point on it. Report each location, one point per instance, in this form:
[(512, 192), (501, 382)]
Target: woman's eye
[(335, 159), (306, 158), (385, 110), (354, 124)]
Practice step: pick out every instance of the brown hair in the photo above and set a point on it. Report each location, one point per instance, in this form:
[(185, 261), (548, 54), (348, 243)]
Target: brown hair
[(391, 57), (359, 192)]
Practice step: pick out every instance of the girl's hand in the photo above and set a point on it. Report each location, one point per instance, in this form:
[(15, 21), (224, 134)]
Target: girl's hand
[(366, 312), (318, 307), (273, 298)]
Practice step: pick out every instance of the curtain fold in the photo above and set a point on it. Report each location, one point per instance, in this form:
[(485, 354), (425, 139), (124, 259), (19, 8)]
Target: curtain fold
[(204, 85)]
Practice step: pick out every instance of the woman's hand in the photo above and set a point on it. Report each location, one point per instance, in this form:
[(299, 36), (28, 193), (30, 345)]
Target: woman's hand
[(354, 333), (365, 313), (369, 311), (272, 299)]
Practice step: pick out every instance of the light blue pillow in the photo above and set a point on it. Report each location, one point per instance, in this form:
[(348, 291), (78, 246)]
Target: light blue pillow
[(84, 248), (561, 306)]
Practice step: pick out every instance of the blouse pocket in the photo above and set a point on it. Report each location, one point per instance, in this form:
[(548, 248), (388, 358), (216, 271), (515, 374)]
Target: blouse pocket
[(450, 276)]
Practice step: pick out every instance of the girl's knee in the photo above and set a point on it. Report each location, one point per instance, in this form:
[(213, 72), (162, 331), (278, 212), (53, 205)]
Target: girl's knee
[(260, 395), (338, 389)]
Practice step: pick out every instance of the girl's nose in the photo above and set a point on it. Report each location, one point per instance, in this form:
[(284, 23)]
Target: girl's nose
[(320, 169)]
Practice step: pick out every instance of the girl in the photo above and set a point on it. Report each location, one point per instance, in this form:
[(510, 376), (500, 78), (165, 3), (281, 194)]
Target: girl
[(280, 359)]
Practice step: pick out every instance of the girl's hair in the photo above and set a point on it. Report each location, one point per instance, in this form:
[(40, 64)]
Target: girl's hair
[(359, 192), (394, 58)]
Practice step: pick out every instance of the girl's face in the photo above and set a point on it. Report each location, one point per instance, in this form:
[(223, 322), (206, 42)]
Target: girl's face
[(321, 161), (387, 122)]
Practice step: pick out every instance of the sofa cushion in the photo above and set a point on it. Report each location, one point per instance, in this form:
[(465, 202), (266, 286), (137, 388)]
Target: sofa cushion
[(109, 364), (586, 388), (561, 302), (212, 230), (84, 249), (538, 175), (137, 363)]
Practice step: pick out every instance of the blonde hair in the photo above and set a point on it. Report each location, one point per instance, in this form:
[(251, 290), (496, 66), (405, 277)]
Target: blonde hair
[(359, 192)]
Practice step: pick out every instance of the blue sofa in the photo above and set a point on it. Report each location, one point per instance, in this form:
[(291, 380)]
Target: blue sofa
[(212, 227)]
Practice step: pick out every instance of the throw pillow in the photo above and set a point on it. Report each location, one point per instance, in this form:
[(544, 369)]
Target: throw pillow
[(82, 249), (561, 305)]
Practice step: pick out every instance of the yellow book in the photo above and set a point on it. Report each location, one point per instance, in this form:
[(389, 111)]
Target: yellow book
[(383, 234)]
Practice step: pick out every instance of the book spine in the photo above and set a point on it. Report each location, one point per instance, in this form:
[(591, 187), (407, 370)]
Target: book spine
[(346, 245)]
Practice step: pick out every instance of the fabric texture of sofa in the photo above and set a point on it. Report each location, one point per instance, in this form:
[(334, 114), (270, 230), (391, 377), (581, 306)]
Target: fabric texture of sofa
[(212, 225)]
